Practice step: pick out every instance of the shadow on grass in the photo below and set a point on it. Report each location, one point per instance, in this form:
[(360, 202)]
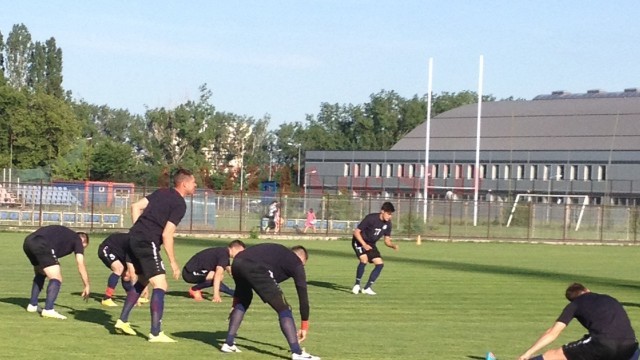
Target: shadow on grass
[(628, 304), (329, 285), (17, 301), (476, 357), (213, 338), (261, 350)]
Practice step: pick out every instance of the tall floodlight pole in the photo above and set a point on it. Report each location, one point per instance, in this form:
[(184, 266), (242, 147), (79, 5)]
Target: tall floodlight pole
[(427, 139), (476, 181)]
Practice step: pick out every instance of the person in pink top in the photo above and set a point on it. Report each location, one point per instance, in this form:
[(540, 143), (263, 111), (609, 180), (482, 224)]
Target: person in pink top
[(311, 221)]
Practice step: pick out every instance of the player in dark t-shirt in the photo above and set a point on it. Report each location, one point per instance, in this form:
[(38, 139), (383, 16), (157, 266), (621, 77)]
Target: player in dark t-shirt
[(44, 247), (155, 219), (113, 253), (206, 269), (373, 227), (610, 337), (261, 268)]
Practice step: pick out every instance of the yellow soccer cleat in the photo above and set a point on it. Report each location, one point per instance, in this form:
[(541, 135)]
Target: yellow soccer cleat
[(124, 328), (161, 338), (142, 301), (109, 303)]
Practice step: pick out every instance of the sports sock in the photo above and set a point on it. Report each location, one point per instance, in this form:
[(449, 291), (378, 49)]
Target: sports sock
[(112, 282), (235, 319), (52, 293), (126, 284), (227, 290), (38, 284), (203, 285), (374, 275), (132, 299), (360, 272), (288, 327), (539, 357), (157, 308)]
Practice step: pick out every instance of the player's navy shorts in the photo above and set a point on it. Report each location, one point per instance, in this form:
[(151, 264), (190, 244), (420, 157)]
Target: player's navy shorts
[(109, 255), (250, 275), (39, 252), (359, 250), (145, 256), (194, 277), (588, 348)]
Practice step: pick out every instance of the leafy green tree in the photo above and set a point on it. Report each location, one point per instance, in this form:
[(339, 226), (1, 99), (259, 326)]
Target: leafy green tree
[(53, 55), (18, 50), (446, 101), (2, 62), (112, 161), (36, 77)]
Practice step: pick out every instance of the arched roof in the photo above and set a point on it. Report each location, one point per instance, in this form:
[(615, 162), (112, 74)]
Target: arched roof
[(560, 121)]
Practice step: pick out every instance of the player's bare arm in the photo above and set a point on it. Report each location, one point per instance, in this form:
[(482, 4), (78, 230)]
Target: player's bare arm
[(390, 244), (82, 269), (217, 279), (357, 233), (167, 240), (137, 208), (545, 339)]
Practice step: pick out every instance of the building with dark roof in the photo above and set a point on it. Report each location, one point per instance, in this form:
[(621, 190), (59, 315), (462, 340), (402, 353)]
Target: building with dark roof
[(561, 143)]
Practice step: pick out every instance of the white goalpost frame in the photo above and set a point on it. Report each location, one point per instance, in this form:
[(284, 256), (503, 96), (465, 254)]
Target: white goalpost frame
[(427, 141), (584, 204), (476, 180)]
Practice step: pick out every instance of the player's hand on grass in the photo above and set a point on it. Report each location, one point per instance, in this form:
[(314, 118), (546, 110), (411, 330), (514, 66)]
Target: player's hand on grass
[(176, 270), (216, 299), (85, 293), (302, 335)]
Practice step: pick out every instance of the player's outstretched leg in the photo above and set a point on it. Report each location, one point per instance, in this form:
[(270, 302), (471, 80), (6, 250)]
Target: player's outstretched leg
[(372, 279), (112, 282), (38, 284)]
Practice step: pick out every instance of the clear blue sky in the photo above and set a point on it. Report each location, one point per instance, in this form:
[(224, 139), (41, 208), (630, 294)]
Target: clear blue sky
[(285, 58)]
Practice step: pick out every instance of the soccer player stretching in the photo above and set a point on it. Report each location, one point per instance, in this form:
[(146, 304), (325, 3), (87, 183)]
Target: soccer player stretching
[(155, 220), (206, 269), (261, 268), (43, 248), (369, 231)]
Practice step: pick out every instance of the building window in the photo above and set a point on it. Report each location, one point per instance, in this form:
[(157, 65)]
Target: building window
[(412, 171), (445, 171), (347, 170), (602, 173), (573, 172), (422, 174), (356, 170), (533, 172), (483, 172), (495, 172), (520, 172), (559, 175), (389, 170), (507, 171), (367, 170), (435, 171), (470, 171), (458, 171), (378, 172), (401, 170), (586, 173), (546, 172)]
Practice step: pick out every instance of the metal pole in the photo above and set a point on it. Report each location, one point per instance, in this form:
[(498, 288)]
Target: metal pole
[(299, 147), (427, 140), (476, 183)]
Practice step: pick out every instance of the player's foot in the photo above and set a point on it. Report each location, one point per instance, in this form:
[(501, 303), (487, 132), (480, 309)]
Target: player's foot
[(34, 308), (355, 289), (142, 301), (52, 314), (304, 356), (124, 328), (195, 294), (161, 338), (229, 348), (368, 291), (108, 302), (490, 356)]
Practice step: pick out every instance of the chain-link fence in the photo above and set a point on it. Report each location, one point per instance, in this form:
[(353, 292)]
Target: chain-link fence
[(106, 207)]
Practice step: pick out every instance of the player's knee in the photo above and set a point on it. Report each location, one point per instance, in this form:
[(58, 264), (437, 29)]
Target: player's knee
[(285, 313), (279, 305)]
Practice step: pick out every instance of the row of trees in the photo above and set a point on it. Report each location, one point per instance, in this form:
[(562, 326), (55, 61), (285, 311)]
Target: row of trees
[(42, 125)]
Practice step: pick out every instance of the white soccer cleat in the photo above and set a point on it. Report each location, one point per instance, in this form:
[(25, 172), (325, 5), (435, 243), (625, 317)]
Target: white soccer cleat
[(356, 289), (368, 291), (304, 356), (52, 314), (34, 308), (229, 348)]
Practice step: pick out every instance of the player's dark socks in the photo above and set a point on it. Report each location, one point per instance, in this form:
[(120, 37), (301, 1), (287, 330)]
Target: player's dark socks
[(288, 327), (157, 308), (360, 272), (227, 290), (374, 275), (126, 284), (132, 299), (112, 282), (202, 285), (235, 319), (539, 357), (52, 293), (38, 284)]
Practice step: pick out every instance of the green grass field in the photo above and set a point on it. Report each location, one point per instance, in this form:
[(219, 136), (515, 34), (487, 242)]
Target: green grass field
[(435, 301)]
